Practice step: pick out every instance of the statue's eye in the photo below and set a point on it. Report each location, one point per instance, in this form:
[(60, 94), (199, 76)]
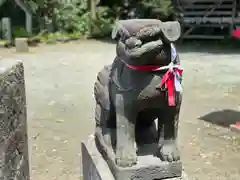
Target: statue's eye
[(162, 55)]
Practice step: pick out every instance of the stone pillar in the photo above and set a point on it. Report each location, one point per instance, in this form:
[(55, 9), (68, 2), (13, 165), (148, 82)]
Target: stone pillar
[(29, 23), (6, 29), (14, 163)]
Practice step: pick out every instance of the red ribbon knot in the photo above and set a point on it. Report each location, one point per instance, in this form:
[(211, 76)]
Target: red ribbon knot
[(171, 79)]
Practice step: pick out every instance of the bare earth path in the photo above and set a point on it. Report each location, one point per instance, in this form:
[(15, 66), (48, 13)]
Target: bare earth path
[(59, 87)]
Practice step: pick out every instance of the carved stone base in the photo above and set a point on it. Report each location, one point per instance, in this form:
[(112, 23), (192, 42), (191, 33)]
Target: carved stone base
[(149, 168)]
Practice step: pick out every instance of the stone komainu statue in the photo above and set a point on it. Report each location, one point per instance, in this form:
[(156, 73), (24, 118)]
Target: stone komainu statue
[(141, 85)]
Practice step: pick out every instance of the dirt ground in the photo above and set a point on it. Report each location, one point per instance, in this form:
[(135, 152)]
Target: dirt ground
[(60, 102)]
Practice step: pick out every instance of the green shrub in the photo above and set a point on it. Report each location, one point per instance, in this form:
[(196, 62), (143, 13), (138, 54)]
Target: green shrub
[(158, 8), (69, 18), (20, 32), (75, 17), (103, 23), (161, 9)]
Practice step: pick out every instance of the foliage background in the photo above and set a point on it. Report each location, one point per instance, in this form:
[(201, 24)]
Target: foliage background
[(74, 17)]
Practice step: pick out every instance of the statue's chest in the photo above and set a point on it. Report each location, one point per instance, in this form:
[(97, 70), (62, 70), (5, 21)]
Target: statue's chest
[(151, 96), (141, 89), (151, 89)]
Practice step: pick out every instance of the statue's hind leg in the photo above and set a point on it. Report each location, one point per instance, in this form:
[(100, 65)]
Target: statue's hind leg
[(102, 109)]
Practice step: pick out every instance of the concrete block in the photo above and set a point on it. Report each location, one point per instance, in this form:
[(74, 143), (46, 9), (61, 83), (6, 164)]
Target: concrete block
[(21, 44)]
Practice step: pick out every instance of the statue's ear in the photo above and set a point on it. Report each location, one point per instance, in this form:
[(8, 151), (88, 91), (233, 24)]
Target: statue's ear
[(119, 31), (171, 30), (115, 34)]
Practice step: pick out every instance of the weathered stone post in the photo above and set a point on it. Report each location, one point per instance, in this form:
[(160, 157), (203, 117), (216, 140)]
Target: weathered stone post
[(29, 23), (14, 163), (6, 29)]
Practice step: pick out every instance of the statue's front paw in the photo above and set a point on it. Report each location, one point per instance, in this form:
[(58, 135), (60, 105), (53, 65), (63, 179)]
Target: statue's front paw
[(168, 151), (126, 158)]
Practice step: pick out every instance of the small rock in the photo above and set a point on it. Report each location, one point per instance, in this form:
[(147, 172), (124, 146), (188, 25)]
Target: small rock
[(51, 103), (59, 120)]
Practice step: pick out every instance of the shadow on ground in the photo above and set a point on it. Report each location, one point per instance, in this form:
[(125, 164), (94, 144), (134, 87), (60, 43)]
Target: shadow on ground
[(230, 46), (222, 118)]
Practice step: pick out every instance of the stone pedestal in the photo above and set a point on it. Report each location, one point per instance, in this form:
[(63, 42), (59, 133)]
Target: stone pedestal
[(14, 162), (96, 168)]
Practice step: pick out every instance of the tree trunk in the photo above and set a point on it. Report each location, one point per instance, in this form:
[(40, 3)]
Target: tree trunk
[(92, 7)]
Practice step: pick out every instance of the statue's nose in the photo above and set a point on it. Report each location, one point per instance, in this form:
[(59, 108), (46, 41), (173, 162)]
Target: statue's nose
[(133, 42)]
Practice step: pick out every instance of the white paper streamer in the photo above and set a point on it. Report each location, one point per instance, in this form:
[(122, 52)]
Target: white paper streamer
[(177, 84), (173, 52)]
